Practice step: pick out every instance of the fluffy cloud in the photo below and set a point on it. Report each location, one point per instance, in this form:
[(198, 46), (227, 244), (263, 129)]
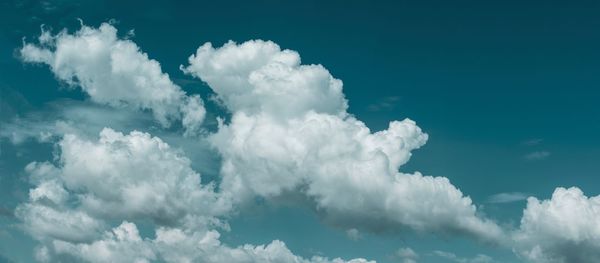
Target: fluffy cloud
[(563, 229), (257, 76), (133, 177), (124, 244), (128, 176), (114, 71), (290, 132)]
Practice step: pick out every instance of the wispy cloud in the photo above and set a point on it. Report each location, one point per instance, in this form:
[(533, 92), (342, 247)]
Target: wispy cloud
[(537, 155), (353, 234), (501, 198), (384, 104), (532, 142)]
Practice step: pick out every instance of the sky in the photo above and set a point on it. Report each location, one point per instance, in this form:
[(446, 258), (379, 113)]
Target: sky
[(299, 131)]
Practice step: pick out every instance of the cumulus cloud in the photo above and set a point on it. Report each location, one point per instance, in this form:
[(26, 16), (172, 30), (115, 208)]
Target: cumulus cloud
[(131, 177), (407, 255), (115, 72), (290, 132), (127, 176), (257, 76), (124, 244), (563, 229)]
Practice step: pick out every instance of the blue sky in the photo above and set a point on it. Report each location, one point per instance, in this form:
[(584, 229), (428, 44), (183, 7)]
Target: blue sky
[(505, 91)]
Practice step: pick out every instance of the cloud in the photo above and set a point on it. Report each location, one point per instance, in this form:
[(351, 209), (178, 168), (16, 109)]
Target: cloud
[(501, 198), (537, 155), (407, 255), (385, 104), (127, 176), (86, 120), (131, 177), (258, 76), (115, 72), (124, 244), (564, 228), (480, 258), (47, 217), (290, 133), (353, 234), (532, 142)]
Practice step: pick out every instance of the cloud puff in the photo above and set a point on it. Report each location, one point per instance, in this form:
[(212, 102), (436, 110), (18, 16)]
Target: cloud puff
[(407, 255), (290, 132), (564, 228), (128, 176), (124, 244), (257, 76), (114, 71), (133, 177)]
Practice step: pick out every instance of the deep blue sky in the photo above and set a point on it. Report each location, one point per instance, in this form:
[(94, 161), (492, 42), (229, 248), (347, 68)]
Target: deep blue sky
[(485, 79)]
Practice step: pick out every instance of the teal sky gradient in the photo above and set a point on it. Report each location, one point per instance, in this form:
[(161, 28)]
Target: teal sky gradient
[(491, 82)]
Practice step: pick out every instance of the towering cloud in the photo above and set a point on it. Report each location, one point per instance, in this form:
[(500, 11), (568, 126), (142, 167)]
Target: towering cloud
[(114, 71), (126, 178), (290, 133), (565, 228)]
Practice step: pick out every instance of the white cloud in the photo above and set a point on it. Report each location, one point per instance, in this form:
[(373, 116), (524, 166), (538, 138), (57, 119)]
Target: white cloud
[(45, 222), (290, 132), (131, 177), (48, 217), (564, 228), (258, 76), (480, 258), (501, 198), (124, 244), (407, 255), (114, 71)]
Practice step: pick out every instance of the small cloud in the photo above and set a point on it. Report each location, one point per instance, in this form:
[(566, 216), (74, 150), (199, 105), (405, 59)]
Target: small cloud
[(532, 142), (537, 155), (507, 197), (407, 255), (385, 104), (353, 234), (451, 257)]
